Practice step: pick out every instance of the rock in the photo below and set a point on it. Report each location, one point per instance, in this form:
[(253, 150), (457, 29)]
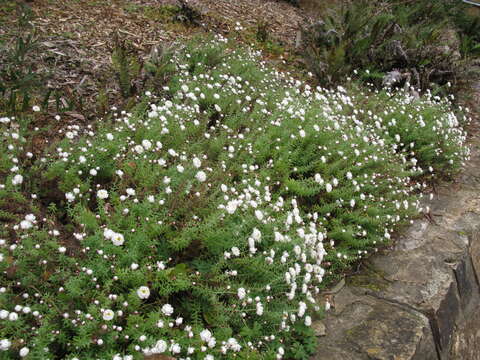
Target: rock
[(319, 328), (468, 288), (368, 328)]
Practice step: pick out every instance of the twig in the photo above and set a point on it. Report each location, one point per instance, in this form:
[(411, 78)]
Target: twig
[(127, 33)]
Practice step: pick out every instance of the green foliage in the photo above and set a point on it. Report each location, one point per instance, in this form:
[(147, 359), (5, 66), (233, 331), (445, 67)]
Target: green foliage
[(18, 78), (468, 24), (417, 39), (125, 65), (187, 14), (217, 210), (262, 31), (23, 82), (159, 67)]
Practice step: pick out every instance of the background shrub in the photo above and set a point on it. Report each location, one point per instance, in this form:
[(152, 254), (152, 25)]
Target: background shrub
[(427, 43)]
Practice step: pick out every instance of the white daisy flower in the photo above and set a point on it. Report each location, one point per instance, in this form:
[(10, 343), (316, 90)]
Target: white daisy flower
[(241, 293), (102, 194), (17, 179), (197, 162), (24, 351), (201, 176), (108, 315), (167, 309), (143, 292), (117, 239), (160, 346)]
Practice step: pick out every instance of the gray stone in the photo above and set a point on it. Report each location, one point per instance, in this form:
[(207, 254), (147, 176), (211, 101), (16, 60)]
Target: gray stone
[(467, 285), (389, 330), (416, 279), (426, 349), (475, 253), (466, 340), (333, 352), (368, 328), (444, 320), (319, 328)]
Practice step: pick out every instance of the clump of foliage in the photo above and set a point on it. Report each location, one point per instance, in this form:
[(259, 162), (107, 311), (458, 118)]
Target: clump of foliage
[(204, 223), (23, 81), (187, 14), (134, 75), (19, 80), (469, 31), (126, 66), (378, 37)]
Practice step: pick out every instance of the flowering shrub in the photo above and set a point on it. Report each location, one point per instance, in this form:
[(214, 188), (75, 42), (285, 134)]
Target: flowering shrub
[(203, 224)]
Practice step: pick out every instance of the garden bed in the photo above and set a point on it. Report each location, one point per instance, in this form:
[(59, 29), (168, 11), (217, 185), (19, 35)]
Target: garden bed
[(167, 199), (205, 221)]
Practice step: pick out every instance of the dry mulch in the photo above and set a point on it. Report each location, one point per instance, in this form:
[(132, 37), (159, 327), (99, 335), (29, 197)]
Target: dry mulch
[(282, 19), (76, 37)]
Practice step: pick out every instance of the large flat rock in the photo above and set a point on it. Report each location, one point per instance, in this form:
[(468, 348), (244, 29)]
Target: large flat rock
[(363, 327)]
